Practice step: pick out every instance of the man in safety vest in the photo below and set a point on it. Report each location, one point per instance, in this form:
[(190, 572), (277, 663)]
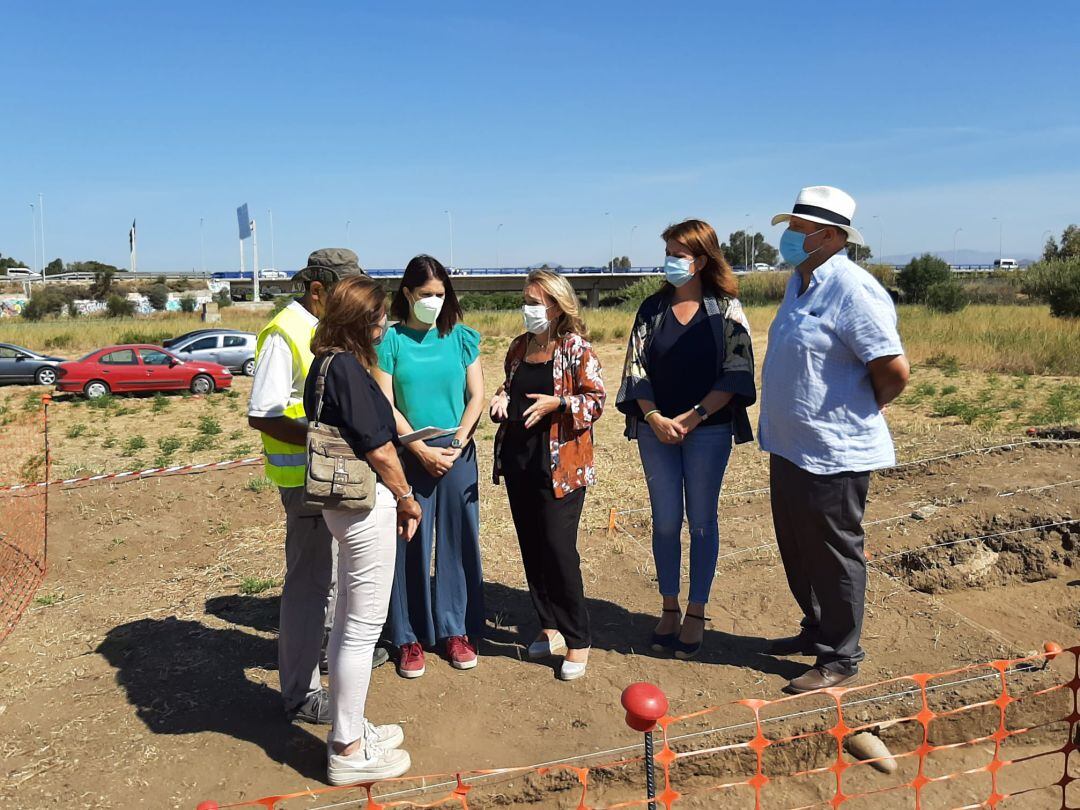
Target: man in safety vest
[(276, 409)]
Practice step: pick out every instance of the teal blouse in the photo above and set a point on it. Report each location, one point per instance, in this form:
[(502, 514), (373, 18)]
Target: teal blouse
[(429, 372)]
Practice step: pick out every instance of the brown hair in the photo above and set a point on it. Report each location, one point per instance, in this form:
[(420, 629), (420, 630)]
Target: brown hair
[(353, 306), (700, 237), (417, 271), (562, 293)]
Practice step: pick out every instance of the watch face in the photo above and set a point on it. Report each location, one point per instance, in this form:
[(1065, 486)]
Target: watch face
[(456, 444)]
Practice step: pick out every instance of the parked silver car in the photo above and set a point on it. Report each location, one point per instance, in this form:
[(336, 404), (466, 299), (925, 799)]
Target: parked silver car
[(21, 365), (234, 350)]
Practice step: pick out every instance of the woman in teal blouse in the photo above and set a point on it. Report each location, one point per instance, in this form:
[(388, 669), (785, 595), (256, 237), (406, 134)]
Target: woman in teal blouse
[(429, 369)]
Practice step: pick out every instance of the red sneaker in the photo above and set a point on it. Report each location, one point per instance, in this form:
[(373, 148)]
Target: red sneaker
[(461, 652), (411, 660)]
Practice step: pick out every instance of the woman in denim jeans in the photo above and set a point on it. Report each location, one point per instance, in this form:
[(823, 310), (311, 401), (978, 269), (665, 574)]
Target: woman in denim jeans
[(689, 377)]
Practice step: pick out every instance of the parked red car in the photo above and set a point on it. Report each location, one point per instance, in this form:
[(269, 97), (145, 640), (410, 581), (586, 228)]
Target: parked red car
[(138, 368)]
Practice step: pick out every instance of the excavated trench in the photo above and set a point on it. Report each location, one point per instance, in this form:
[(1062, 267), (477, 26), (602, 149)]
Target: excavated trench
[(1019, 549)]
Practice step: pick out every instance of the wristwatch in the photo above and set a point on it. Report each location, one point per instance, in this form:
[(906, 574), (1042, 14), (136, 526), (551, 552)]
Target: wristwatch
[(701, 411), (456, 443)]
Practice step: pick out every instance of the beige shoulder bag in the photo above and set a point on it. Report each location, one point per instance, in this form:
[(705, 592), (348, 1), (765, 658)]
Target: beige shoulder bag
[(335, 477)]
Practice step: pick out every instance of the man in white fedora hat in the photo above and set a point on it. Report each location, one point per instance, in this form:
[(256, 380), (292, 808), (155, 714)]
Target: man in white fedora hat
[(833, 362)]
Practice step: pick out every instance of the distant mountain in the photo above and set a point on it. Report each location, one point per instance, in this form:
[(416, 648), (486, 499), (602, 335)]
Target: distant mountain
[(961, 257)]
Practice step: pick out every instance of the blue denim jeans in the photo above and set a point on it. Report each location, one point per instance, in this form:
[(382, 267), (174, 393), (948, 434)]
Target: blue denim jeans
[(690, 473), (452, 604)]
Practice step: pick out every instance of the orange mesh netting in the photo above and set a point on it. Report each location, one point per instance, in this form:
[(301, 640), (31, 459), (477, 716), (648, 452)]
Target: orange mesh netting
[(24, 457), (977, 743)]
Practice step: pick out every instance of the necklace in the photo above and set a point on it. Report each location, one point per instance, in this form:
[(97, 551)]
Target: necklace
[(537, 344)]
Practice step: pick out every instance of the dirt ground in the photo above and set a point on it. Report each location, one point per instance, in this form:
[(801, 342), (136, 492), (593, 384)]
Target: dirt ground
[(145, 674)]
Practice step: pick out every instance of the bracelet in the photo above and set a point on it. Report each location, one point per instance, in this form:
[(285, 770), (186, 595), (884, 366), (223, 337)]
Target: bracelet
[(645, 418), (406, 495), (562, 404)]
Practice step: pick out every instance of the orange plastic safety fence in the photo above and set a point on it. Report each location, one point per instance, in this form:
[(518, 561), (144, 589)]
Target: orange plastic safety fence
[(758, 786), (23, 515)]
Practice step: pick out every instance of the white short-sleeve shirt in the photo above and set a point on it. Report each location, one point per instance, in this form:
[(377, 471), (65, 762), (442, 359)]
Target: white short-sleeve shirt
[(277, 383), (818, 408)]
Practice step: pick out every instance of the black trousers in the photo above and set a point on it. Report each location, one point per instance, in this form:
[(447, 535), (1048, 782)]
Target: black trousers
[(547, 529), (818, 523)]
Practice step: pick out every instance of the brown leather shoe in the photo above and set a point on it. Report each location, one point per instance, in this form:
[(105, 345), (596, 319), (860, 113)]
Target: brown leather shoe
[(818, 678)]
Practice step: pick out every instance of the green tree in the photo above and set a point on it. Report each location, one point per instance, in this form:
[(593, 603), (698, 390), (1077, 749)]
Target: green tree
[(1050, 250), (55, 267), (1070, 243), (158, 296), (102, 285), (48, 299), (7, 262), (1057, 283), (619, 263), (739, 249), (920, 274), (117, 306), (859, 253), (187, 304)]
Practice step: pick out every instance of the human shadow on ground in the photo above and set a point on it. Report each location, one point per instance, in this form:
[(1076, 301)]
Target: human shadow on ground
[(183, 677), (257, 612), (617, 629)]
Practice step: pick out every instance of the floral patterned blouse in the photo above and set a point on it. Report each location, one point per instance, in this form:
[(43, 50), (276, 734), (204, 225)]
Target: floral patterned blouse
[(578, 377)]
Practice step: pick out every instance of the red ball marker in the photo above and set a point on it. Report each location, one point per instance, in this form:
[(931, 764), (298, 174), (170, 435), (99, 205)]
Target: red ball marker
[(644, 704)]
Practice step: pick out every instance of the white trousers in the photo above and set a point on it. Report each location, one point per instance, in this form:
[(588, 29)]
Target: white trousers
[(367, 547)]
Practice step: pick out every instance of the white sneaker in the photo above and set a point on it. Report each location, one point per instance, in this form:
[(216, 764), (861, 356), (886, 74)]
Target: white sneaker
[(547, 647), (572, 670), (368, 763), (389, 736)]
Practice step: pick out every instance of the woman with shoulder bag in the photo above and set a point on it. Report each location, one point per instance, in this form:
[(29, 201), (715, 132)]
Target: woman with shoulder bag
[(687, 382), (349, 400), (552, 395)]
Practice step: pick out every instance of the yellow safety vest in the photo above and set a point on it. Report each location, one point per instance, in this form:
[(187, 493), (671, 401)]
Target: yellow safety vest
[(285, 462)]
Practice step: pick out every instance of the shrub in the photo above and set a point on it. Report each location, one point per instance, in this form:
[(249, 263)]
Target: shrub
[(920, 275), (491, 301), (631, 297), (153, 337), (47, 300), (119, 307), (757, 289), (158, 296), (209, 426), (280, 303), (222, 299), (62, 341), (946, 296), (187, 304), (1057, 283), (884, 273)]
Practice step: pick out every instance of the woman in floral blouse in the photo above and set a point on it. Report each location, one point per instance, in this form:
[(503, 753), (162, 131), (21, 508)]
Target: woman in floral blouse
[(552, 395)]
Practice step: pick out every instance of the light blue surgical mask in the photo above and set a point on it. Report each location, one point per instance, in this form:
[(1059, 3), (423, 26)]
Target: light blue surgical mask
[(792, 246), (678, 271)]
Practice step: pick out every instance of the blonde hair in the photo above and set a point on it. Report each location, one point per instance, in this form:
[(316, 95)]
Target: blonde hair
[(562, 293)]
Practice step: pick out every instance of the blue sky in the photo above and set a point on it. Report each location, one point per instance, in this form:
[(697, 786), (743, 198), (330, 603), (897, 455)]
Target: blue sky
[(539, 116)]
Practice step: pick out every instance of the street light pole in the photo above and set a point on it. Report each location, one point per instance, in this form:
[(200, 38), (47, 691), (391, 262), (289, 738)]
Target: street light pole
[(611, 242), (450, 222), (348, 238), (498, 264), (273, 256), (1000, 231), (955, 255), (202, 247), (631, 256), (33, 230), (41, 221), (745, 251)]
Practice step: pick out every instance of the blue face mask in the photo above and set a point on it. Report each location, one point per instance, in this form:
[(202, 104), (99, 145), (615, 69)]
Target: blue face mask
[(792, 246), (677, 271)]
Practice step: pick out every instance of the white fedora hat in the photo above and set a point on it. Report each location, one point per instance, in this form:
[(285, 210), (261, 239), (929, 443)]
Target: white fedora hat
[(827, 205)]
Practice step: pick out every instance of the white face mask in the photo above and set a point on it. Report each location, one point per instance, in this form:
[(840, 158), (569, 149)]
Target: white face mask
[(427, 309), (536, 319)]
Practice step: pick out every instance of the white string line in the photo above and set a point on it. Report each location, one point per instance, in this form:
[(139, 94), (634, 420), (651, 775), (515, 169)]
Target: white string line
[(916, 462), (1021, 668)]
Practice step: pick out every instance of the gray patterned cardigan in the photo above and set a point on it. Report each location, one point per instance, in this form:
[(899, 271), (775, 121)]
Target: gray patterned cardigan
[(734, 353)]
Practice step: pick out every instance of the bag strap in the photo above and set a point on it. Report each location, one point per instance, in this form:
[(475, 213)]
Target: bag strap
[(320, 385)]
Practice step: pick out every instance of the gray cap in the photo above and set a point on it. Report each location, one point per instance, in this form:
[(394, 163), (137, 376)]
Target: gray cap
[(340, 261)]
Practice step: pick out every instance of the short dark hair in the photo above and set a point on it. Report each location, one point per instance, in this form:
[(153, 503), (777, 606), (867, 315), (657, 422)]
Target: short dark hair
[(417, 271)]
